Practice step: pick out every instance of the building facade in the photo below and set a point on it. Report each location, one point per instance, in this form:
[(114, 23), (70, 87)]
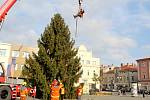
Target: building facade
[(119, 77), (108, 80), (5, 49), (144, 73), (18, 55), (127, 76), (13, 58), (90, 67)]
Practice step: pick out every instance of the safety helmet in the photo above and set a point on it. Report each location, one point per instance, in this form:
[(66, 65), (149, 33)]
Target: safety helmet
[(24, 83), (55, 82)]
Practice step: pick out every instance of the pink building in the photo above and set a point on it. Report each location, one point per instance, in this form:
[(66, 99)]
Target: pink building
[(144, 72)]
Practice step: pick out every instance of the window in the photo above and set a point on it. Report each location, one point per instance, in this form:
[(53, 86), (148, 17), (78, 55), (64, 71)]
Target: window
[(15, 53), (16, 66), (87, 62), (132, 77), (144, 77), (94, 73), (81, 56), (1, 71), (26, 54), (88, 73), (128, 78), (14, 61), (94, 62), (3, 52), (82, 61), (120, 78), (143, 64)]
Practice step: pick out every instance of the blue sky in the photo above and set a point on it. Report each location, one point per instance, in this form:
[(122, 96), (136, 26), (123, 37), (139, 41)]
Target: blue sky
[(116, 31)]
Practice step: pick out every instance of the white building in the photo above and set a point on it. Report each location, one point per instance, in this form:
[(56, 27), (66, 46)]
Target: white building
[(90, 66), (4, 54)]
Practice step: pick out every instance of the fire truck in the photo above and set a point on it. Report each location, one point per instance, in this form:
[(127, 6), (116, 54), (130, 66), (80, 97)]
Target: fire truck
[(7, 90)]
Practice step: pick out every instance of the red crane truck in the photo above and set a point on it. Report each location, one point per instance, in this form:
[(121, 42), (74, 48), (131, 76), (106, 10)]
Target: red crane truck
[(7, 90)]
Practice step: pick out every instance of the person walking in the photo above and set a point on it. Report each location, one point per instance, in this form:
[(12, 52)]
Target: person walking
[(143, 93)]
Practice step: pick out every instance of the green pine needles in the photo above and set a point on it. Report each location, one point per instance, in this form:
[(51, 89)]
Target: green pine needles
[(56, 59)]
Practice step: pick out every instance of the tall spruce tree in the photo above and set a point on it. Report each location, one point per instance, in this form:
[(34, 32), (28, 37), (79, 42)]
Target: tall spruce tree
[(56, 59)]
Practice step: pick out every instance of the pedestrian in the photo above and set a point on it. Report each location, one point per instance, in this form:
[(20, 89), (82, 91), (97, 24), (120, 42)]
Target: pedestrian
[(55, 90), (62, 92), (79, 92), (23, 91), (143, 93), (119, 92)]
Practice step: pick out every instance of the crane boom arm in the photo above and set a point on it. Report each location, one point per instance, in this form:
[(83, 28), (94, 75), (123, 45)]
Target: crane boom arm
[(5, 8)]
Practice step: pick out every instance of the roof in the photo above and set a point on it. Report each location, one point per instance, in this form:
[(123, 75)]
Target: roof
[(129, 68), (110, 72), (147, 58)]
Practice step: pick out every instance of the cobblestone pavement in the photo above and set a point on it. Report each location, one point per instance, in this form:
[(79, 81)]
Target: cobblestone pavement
[(28, 98), (115, 97), (126, 97)]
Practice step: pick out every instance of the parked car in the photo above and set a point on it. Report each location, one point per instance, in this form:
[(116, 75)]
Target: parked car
[(93, 91)]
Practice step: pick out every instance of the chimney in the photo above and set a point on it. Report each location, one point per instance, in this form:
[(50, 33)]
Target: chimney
[(121, 64), (127, 64)]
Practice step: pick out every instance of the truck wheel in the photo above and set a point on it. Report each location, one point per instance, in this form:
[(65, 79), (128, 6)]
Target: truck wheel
[(5, 93)]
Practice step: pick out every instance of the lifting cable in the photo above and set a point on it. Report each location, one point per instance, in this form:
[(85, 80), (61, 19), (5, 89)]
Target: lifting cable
[(78, 15), (76, 31)]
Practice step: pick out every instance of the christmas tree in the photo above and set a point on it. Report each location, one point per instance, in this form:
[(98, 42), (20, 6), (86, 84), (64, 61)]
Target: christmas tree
[(56, 59)]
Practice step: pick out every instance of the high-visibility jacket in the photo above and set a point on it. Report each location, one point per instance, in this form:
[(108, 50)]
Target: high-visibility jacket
[(79, 91), (55, 92), (23, 91), (62, 90)]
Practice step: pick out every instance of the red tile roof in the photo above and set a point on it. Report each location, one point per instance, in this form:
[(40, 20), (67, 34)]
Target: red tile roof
[(128, 68)]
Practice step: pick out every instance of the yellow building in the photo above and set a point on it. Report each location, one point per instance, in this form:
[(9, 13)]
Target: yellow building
[(18, 55)]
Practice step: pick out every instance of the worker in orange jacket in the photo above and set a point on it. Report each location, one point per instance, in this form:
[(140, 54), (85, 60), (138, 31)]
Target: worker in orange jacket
[(79, 92), (55, 90), (23, 92), (62, 91)]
